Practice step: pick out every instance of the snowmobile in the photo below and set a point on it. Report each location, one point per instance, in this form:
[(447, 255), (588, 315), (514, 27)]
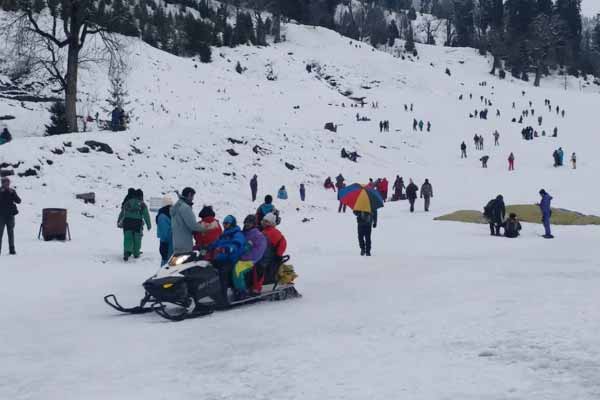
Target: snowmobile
[(195, 287)]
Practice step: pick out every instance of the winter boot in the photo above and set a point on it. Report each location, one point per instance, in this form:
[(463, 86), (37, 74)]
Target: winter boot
[(368, 254), (362, 252)]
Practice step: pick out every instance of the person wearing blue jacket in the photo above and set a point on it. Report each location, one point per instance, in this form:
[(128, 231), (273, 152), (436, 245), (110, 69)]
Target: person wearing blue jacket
[(232, 243), (282, 194), (164, 231), (545, 207)]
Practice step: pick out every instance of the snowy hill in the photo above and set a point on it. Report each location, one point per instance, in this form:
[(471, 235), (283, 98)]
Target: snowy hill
[(440, 311)]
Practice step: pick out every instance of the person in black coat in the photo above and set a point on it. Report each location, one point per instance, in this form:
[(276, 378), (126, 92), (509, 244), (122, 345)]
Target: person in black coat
[(8, 209), (365, 222), (411, 194), (495, 212)]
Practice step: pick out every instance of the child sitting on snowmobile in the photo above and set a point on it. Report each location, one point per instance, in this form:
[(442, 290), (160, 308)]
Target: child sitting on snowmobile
[(256, 244), (213, 230), (228, 250)]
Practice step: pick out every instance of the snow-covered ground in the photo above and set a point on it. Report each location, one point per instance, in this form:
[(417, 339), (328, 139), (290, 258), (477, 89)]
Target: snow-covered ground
[(441, 310)]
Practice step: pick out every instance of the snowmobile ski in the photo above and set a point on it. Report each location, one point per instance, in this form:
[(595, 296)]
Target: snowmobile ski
[(197, 312), (112, 301)]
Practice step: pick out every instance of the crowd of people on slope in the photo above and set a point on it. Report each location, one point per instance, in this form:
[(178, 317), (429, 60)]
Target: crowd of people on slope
[(242, 253), (495, 213), (5, 136), (419, 125)]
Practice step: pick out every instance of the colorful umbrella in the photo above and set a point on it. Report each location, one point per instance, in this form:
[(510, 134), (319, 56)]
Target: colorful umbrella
[(360, 198)]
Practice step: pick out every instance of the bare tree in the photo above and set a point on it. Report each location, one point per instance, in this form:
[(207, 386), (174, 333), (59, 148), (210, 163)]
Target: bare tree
[(68, 26), (430, 26)]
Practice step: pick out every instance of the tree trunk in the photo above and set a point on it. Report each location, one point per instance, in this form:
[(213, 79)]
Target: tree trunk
[(538, 74), (495, 64), (71, 87), (277, 27)]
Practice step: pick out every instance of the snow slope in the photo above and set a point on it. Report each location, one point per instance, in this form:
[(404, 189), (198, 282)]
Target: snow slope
[(441, 311)]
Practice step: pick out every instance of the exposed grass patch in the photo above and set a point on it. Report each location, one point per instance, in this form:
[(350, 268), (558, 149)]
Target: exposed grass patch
[(526, 213)]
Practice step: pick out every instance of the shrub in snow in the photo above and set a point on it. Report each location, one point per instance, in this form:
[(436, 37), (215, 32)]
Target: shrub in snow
[(58, 120)]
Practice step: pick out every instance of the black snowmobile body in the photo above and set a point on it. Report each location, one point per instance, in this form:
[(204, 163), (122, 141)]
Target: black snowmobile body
[(188, 280)]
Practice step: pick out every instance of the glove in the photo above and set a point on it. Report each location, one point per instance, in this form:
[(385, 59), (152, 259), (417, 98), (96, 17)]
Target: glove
[(374, 225)]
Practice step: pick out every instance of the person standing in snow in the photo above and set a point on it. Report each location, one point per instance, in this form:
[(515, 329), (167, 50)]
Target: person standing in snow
[(8, 209), (163, 230), (383, 188), (302, 192), (411, 194), (495, 212), (463, 150), (496, 138), (365, 222), (421, 125), (426, 193), (342, 207), (415, 123), (183, 222), (134, 213), (574, 160), (5, 136), (561, 156), (254, 187), (546, 209), (511, 162), (282, 193), (428, 126)]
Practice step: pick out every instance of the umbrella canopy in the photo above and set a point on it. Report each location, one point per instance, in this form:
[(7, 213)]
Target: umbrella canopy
[(360, 198)]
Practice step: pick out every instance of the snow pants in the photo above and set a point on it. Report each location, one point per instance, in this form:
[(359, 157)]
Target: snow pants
[(8, 222), (165, 253), (494, 229), (511, 165), (427, 202), (342, 207), (364, 237), (463, 154), (253, 190), (132, 243), (412, 204), (546, 223)]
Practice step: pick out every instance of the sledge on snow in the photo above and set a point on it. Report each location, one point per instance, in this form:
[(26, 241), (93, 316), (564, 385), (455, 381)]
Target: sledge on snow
[(188, 286)]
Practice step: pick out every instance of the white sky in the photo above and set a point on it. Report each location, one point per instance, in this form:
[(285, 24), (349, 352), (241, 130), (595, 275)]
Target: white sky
[(590, 7)]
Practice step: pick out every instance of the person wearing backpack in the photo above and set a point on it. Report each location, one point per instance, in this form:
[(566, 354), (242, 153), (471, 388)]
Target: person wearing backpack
[(8, 210), (495, 212), (134, 213), (512, 226), (365, 221)]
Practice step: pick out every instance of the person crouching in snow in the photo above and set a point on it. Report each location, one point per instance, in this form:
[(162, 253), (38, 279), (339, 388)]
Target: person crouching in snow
[(212, 231), (228, 250), (282, 193), (134, 213), (273, 256), (365, 221), (512, 226), (164, 231), (256, 244)]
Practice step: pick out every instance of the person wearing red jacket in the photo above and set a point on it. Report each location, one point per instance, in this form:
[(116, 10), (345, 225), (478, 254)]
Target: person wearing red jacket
[(383, 188), (276, 247), (213, 229)]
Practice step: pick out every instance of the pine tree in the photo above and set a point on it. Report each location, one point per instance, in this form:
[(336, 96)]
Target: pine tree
[(409, 46), (58, 120), (393, 33), (412, 14), (463, 21), (596, 36)]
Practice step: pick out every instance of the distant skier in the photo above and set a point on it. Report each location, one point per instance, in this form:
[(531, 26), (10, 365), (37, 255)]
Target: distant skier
[(428, 126), (302, 192), (574, 161), (495, 212), (415, 124), (545, 208), (463, 150), (426, 193), (496, 138), (421, 125), (511, 162), (365, 222), (254, 187), (540, 119), (411, 194), (383, 188)]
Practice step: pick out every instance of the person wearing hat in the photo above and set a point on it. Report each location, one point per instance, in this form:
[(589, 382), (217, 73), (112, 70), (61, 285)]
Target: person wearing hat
[(8, 209), (276, 247), (163, 230), (546, 209), (134, 213), (227, 251), (213, 230), (266, 208), (183, 222), (256, 244), (512, 226)]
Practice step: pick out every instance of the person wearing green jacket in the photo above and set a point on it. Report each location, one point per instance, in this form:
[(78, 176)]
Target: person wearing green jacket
[(134, 213)]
